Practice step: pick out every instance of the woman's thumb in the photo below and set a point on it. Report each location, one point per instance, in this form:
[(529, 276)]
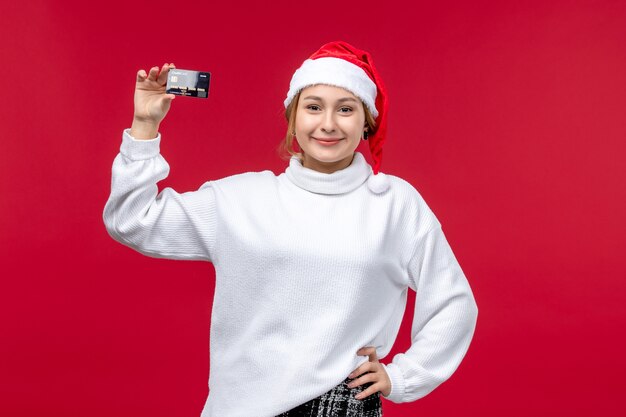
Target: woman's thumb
[(166, 101)]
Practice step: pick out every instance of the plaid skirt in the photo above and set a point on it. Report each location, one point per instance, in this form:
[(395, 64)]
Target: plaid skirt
[(340, 402)]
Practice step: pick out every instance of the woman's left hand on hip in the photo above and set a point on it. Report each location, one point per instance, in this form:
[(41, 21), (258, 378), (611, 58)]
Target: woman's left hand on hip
[(377, 375)]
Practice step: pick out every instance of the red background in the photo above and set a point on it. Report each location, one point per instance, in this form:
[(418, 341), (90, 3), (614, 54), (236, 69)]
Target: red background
[(508, 117)]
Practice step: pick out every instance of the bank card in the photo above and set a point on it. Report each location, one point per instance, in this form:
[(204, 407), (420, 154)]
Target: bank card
[(188, 83)]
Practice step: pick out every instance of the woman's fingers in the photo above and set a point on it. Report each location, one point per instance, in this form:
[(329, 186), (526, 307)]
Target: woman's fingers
[(376, 384), (141, 75), (362, 379), (155, 74), (370, 377), (362, 369), (365, 366), (163, 75), (152, 75), (372, 389), (373, 372)]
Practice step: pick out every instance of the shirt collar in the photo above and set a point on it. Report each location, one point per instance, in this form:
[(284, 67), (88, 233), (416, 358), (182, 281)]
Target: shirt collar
[(339, 182)]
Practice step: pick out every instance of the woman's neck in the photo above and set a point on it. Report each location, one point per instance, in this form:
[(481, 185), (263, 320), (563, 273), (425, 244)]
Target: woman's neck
[(340, 181)]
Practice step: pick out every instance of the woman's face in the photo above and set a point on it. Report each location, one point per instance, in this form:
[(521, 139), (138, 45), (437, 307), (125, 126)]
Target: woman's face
[(332, 114)]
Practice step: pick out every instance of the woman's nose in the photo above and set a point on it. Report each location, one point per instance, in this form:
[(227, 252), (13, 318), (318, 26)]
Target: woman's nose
[(328, 123)]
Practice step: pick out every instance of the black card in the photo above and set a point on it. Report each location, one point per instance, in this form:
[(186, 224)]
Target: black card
[(188, 83)]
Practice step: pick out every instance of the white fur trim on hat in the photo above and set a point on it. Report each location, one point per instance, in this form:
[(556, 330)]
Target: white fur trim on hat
[(378, 183), (337, 72)]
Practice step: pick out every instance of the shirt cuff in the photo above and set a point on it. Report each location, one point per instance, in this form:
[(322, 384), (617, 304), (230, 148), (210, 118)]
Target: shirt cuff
[(139, 149), (397, 382)]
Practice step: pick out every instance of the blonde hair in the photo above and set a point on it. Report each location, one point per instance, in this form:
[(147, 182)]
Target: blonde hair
[(285, 148)]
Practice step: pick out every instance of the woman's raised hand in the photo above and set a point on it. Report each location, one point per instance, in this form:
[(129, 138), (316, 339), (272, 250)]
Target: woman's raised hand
[(151, 101)]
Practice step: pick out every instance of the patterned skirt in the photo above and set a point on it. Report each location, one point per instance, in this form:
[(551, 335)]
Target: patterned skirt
[(340, 402)]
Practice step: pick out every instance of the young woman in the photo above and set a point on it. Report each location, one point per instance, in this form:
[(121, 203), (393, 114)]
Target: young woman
[(313, 265)]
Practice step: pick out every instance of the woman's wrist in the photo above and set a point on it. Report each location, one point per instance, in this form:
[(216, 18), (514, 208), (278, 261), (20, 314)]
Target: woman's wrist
[(144, 130)]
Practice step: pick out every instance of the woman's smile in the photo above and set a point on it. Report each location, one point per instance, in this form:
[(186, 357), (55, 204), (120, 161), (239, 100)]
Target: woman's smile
[(327, 141)]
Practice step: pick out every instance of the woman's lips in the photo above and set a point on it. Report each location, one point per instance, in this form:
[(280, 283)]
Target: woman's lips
[(327, 142)]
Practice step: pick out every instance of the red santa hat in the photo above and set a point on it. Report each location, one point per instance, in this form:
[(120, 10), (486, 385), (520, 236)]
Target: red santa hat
[(342, 65)]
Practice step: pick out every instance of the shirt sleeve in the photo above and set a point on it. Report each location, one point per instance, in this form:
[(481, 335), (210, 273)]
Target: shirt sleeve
[(443, 321), (168, 225)]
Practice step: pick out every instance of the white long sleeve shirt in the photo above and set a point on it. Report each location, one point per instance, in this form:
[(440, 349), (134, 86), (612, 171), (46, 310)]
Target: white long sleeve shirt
[(310, 267)]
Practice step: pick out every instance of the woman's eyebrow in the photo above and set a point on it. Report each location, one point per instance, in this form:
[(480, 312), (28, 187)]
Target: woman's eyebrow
[(341, 100)]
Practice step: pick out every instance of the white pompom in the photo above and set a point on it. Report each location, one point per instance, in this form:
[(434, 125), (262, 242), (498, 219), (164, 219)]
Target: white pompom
[(378, 183)]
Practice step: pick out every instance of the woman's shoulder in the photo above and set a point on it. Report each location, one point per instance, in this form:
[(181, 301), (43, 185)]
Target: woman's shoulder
[(247, 182), (411, 199), (404, 188)]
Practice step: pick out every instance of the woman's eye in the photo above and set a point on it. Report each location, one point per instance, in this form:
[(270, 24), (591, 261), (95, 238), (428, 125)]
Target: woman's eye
[(313, 107), (347, 109)]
